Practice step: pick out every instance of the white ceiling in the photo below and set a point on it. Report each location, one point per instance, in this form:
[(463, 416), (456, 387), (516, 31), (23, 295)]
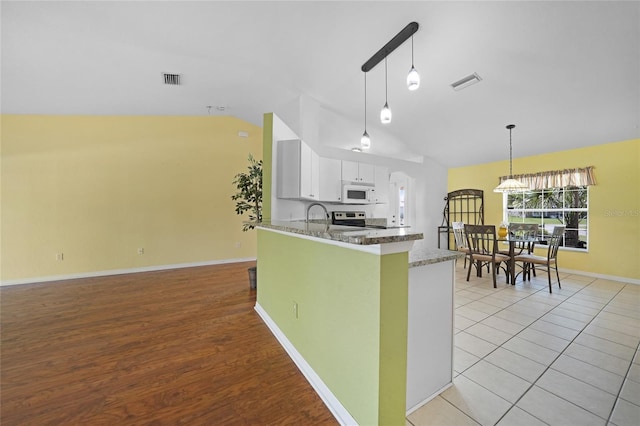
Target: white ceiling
[(567, 73)]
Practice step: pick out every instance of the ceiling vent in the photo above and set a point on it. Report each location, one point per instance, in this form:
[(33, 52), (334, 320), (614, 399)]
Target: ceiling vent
[(172, 79), (466, 82)]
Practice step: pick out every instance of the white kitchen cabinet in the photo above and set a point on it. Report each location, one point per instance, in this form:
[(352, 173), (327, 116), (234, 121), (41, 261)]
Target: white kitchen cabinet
[(298, 171), (330, 183), (382, 184), (354, 171)]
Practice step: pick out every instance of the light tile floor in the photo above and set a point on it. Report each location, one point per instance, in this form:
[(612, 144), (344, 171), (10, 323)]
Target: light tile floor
[(523, 356)]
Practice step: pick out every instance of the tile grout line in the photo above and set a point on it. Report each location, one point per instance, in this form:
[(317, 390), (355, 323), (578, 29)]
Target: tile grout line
[(527, 326), (626, 377), (543, 288), (559, 355)]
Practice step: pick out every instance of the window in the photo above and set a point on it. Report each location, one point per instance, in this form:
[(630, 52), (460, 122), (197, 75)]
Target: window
[(568, 206)]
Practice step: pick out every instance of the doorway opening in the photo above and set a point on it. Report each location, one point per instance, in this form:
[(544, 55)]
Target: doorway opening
[(400, 200)]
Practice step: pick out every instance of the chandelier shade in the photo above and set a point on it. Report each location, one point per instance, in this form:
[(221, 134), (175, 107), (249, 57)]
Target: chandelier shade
[(511, 184)]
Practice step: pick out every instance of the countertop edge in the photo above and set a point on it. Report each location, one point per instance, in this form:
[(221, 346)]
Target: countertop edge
[(351, 236), (421, 257)]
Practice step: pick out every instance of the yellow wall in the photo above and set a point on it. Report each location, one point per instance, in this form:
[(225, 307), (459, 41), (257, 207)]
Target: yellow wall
[(97, 188), (614, 203)]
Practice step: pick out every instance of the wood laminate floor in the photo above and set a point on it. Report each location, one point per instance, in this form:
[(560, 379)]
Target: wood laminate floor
[(182, 346)]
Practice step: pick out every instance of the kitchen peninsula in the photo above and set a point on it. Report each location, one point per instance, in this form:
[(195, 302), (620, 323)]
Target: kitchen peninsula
[(366, 314)]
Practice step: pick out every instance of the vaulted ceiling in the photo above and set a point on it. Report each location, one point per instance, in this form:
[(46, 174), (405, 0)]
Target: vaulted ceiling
[(566, 73)]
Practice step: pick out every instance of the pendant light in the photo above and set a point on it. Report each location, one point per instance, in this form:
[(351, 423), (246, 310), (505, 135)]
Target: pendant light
[(413, 78), (385, 114), (365, 141), (511, 184)]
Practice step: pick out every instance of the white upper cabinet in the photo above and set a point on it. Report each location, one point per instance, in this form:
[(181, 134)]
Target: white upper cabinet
[(298, 171), (382, 184), (353, 171), (330, 180)]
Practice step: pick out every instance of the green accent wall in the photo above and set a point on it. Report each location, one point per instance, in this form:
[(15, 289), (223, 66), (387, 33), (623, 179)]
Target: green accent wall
[(345, 312)]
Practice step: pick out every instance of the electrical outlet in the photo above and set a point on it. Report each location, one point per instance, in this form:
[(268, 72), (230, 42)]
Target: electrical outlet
[(295, 310), (60, 256), (140, 250), (238, 244)]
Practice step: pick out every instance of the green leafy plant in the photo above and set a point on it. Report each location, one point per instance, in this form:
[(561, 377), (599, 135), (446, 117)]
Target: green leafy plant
[(249, 196)]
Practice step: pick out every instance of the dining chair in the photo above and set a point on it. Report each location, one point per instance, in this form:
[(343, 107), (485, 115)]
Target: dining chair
[(460, 239), (550, 260), (483, 250), (523, 230)]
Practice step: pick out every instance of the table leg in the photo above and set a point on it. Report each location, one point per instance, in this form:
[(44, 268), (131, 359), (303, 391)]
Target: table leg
[(512, 262)]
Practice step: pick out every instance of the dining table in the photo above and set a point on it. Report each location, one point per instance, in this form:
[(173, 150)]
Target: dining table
[(527, 241)]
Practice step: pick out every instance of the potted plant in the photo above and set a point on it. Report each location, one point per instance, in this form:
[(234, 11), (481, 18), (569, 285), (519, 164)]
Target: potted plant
[(249, 199)]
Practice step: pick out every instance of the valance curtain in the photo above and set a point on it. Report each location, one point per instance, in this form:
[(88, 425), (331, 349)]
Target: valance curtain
[(556, 178)]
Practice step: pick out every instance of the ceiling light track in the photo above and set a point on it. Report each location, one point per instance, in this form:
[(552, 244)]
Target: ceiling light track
[(413, 79), (392, 45)]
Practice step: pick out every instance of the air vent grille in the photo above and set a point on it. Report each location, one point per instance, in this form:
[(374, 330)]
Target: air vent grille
[(466, 82), (172, 79)]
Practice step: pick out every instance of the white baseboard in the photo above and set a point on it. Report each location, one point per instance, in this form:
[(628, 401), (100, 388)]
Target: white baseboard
[(120, 271), (337, 409), (603, 276), (426, 400)]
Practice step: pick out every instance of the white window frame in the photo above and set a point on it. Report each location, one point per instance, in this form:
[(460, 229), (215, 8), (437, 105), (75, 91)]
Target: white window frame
[(561, 211)]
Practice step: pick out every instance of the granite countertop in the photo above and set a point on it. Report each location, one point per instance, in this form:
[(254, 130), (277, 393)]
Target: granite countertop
[(345, 234), (421, 255)]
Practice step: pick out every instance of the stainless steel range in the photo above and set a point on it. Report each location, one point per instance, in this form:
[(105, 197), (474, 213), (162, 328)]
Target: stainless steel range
[(348, 218)]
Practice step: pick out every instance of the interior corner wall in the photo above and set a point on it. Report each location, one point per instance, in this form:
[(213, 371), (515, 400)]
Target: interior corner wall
[(98, 188), (614, 203)]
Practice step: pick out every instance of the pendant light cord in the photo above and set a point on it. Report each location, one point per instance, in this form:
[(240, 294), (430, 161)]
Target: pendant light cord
[(386, 98), (510, 155), (365, 102), (412, 51)]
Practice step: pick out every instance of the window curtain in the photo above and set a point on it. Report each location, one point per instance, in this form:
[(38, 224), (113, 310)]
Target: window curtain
[(556, 178)]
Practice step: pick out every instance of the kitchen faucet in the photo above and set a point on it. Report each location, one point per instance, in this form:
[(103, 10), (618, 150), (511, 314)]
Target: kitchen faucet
[(326, 213)]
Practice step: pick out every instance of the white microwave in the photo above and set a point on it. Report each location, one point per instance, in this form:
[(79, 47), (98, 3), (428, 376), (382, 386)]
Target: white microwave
[(354, 193)]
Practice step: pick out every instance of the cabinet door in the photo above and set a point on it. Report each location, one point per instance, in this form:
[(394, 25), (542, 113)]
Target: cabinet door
[(330, 179), (309, 184), (315, 175), (350, 171), (366, 173), (288, 180), (382, 184)]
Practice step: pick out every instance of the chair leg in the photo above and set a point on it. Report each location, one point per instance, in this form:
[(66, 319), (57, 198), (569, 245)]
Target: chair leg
[(549, 275), (493, 270), (557, 275), (470, 268)]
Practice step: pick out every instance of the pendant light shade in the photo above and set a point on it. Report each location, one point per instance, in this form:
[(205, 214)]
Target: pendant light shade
[(385, 114), (365, 141), (511, 184), (413, 78)]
